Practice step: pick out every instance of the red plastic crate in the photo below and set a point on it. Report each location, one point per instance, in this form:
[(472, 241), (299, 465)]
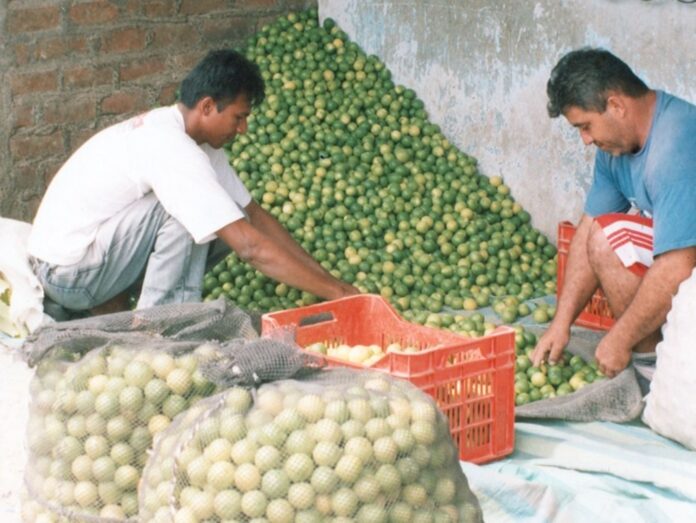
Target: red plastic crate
[(596, 314), (471, 379)]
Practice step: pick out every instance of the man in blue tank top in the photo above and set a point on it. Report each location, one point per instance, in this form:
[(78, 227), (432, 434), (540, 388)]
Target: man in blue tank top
[(637, 237)]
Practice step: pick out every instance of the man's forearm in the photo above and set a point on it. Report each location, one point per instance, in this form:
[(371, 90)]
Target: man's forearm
[(269, 225), (276, 262), (653, 300), (273, 259)]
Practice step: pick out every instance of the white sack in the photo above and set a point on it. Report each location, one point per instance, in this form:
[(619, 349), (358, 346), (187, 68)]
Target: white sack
[(26, 305), (670, 409)]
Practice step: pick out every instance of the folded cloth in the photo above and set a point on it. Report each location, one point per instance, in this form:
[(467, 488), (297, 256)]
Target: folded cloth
[(26, 301)]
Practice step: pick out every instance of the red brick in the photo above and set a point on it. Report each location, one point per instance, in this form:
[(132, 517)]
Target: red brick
[(92, 13), (262, 21), (196, 7), (32, 19), (79, 77), (226, 31), (180, 35), (159, 8), (23, 53), (120, 40), (30, 207), (125, 102), (28, 146), (260, 4), (49, 168), (28, 176), (76, 137), (294, 5), (34, 82), (34, 176), (133, 7), (141, 68), (168, 94), (61, 47), (183, 63), (75, 109), (23, 116)]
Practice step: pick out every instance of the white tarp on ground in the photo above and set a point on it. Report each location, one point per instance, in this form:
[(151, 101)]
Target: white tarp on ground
[(579, 472), (14, 414)]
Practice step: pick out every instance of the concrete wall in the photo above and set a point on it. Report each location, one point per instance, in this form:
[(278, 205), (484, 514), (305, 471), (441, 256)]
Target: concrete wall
[(481, 68), (71, 67)]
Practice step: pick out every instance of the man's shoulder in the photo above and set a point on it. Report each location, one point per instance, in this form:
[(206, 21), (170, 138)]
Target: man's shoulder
[(673, 98), (676, 109), (674, 134)]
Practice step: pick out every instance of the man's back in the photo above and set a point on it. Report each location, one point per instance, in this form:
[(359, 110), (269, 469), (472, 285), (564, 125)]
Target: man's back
[(113, 169)]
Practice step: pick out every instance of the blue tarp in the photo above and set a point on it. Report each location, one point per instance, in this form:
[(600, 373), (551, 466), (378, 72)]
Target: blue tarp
[(587, 472)]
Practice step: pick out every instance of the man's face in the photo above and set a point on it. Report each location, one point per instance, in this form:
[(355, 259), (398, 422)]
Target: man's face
[(605, 130), (222, 126)]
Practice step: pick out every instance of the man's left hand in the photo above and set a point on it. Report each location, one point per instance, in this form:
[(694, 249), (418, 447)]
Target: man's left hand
[(612, 357)]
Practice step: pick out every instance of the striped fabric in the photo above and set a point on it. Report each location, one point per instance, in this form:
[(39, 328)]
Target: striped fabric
[(596, 472), (631, 237)]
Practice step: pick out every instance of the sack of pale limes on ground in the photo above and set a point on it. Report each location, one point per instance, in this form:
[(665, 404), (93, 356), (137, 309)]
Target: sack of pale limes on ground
[(334, 445), (669, 407), (348, 162), (103, 387), (92, 421)]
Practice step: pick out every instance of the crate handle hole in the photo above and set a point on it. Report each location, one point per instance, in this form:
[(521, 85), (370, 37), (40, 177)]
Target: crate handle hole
[(317, 318)]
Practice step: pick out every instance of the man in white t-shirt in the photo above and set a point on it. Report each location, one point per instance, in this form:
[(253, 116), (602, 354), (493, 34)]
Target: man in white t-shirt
[(145, 197)]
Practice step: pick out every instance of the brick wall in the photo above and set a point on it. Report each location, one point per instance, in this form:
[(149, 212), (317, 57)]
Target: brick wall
[(71, 67)]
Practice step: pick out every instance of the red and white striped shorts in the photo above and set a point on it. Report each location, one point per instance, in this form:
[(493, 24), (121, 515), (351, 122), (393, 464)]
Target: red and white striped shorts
[(631, 237)]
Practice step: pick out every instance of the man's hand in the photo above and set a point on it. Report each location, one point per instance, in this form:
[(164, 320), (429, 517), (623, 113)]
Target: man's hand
[(350, 290), (344, 290), (551, 344), (612, 357)]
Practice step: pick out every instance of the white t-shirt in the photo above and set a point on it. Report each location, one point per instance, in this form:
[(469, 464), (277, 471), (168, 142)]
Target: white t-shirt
[(150, 152)]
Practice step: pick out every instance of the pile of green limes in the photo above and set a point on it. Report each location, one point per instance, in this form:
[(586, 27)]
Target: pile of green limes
[(348, 162)]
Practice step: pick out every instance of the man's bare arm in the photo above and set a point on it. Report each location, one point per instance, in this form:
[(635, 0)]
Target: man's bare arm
[(273, 258), (648, 310), (266, 223), (579, 284)]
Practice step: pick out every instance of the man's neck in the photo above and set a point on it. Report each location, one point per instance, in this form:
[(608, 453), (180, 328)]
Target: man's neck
[(644, 110), (190, 122)]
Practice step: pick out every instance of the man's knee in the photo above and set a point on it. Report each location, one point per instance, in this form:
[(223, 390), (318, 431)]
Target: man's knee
[(599, 252)]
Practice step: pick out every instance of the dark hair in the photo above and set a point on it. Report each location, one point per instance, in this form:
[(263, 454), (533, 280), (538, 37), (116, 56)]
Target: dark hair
[(223, 75), (584, 78)]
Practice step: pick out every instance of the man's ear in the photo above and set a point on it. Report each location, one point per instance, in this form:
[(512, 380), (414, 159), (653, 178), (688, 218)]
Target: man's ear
[(616, 105), (206, 105)]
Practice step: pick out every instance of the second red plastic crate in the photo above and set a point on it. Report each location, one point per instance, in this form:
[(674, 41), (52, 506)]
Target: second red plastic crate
[(470, 379)]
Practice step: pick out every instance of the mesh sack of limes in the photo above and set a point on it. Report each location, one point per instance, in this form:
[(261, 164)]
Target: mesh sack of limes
[(337, 445), (350, 164), (102, 389), (96, 413), (92, 422)]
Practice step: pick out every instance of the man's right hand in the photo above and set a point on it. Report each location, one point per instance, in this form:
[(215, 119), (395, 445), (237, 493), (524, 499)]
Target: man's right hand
[(551, 344), (350, 290)]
